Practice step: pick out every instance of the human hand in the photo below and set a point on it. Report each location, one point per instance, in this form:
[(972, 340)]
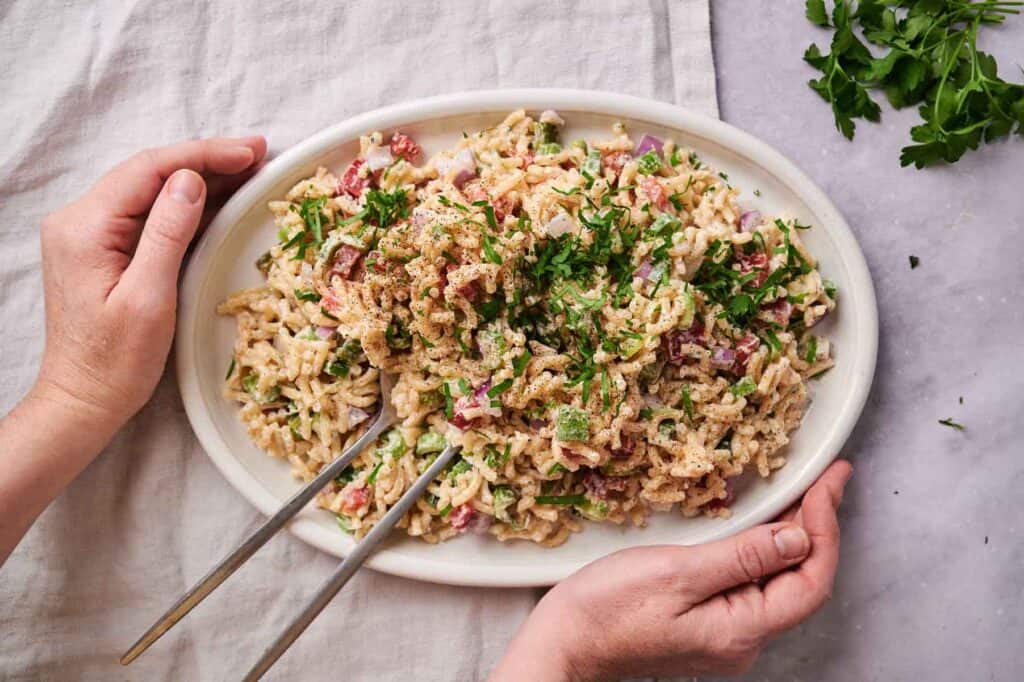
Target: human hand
[(110, 271), (670, 610)]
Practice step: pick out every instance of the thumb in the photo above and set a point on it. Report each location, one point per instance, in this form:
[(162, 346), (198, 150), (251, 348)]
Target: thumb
[(172, 222), (744, 558)]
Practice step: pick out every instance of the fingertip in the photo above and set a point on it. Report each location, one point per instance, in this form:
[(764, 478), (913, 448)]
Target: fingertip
[(791, 541), (256, 144), (186, 187)]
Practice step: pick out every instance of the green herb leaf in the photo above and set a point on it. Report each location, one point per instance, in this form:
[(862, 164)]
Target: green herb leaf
[(307, 295), (562, 500), (816, 12), (914, 262), (519, 364), (499, 388), (948, 421)]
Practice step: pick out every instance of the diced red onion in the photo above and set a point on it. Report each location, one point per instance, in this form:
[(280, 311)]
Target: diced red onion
[(379, 158), (479, 524), (537, 424), (595, 484), (781, 310), (325, 332), (647, 143), (356, 416), (644, 270), (484, 401), (673, 341), (463, 165), (723, 358), (560, 224), (749, 220)]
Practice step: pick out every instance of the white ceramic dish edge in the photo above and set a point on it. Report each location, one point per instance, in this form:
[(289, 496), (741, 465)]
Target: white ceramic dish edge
[(859, 292)]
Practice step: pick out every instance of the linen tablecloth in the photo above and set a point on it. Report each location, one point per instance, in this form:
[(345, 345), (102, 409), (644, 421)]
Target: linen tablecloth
[(85, 85)]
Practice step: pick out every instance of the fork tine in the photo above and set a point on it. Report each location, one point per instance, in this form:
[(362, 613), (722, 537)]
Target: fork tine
[(350, 565), (259, 537)]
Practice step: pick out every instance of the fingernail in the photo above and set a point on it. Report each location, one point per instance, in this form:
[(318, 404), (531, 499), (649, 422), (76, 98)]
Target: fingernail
[(792, 542), (244, 154), (185, 186)]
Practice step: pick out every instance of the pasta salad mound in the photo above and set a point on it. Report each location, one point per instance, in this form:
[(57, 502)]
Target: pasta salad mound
[(598, 324)]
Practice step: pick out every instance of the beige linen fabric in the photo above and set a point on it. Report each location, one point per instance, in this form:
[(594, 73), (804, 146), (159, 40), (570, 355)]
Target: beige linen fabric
[(86, 84)]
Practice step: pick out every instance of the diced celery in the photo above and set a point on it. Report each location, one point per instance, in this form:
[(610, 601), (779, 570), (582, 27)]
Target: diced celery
[(572, 423), (631, 346), (545, 133), (504, 497), (595, 510), (744, 386), (430, 442), (689, 306), (580, 144), (459, 468), (592, 164), (393, 445), (649, 163), (665, 223), (650, 372), (295, 423), (492, 346), (249, 383), (264, 262), (549, 148), (345, 523)]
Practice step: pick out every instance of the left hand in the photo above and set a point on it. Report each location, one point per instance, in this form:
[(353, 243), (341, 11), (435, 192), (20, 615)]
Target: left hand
[(685, 611), (110, 272)]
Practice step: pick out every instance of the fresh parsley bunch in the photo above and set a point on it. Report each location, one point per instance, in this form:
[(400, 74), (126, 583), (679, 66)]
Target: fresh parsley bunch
[(931, 59)]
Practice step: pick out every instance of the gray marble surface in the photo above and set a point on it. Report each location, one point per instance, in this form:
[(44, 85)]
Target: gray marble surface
[(931, 581)]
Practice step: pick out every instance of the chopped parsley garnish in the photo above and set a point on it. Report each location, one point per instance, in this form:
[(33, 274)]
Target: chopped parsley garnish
[(563, 500), (688, 403), (914, 262), (812, 349), (384, 209), (519, 364), (487, 241), (948, 421), (499, 388), (449, 404), (307, 295), (310, 212), (231, 370)]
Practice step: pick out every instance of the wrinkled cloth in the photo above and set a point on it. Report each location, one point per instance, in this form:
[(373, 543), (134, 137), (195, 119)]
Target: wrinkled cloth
[(85, 86)]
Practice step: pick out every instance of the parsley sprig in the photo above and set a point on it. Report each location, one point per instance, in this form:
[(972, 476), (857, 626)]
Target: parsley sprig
[(931, 59)]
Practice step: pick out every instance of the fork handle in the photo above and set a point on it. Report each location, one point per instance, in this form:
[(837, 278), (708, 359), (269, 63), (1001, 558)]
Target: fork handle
[(350, 565), (222, 571)]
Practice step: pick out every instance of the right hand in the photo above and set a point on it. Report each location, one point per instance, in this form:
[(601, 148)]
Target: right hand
[(670, 610)]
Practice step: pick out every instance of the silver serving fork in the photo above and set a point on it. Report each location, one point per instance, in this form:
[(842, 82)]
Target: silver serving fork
[(384, 419)]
